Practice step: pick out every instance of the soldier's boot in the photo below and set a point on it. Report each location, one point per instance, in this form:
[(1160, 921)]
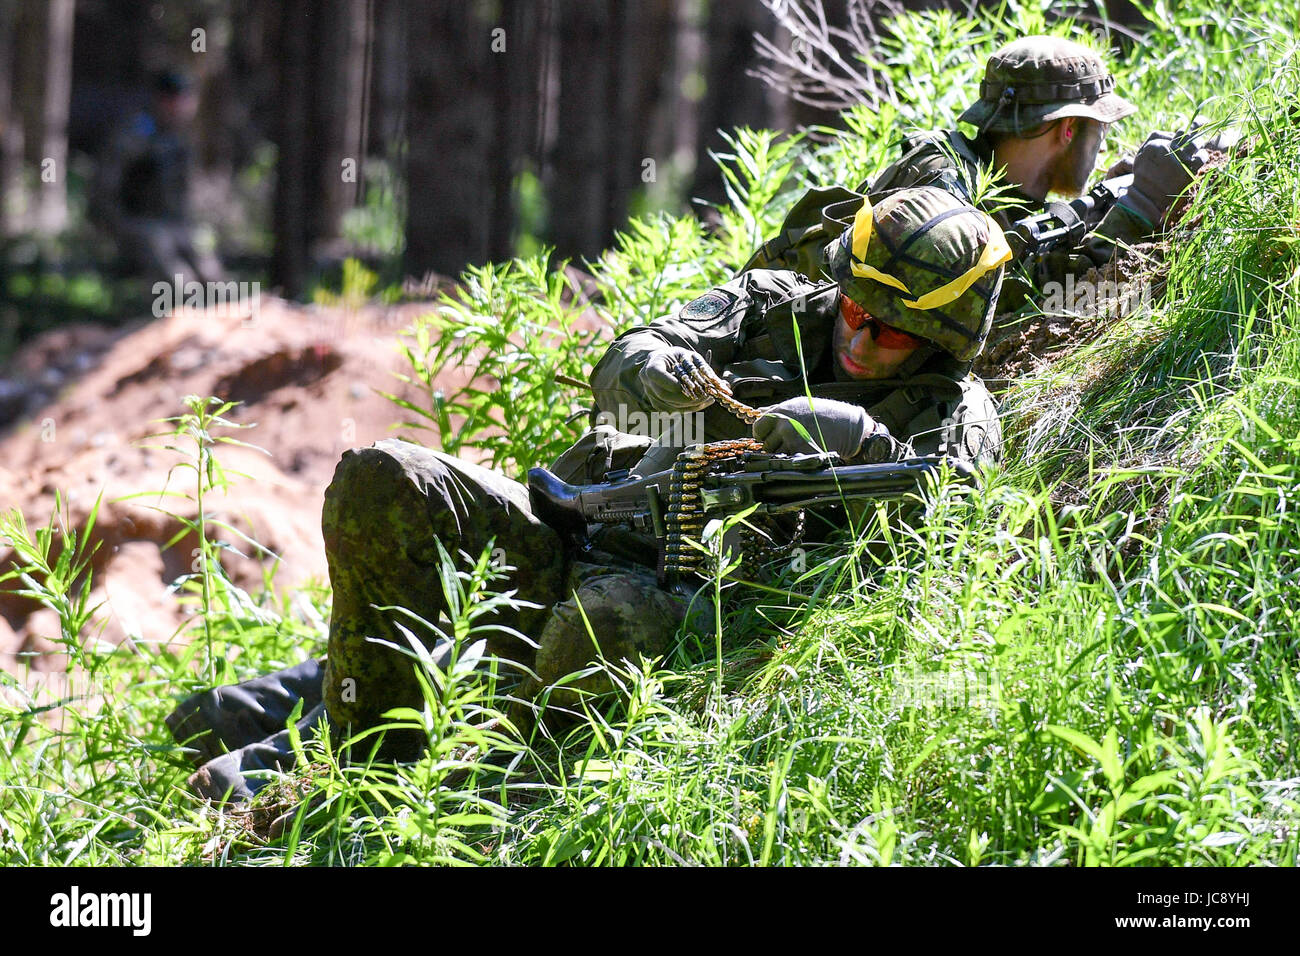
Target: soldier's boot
[(225, 719), (237, 776), (618, 618), (387, 511)]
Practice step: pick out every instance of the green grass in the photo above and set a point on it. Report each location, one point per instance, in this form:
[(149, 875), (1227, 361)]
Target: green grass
[(1089, 659)]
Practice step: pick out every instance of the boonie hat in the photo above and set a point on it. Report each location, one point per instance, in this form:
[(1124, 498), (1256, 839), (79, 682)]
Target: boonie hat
[(1037, 79)]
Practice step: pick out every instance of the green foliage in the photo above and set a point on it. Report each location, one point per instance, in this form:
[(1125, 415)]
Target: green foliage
[(1089, 659), (378, 223), (656, 264), (515, 340), (529, 333), (357, 286), (437, 810), (752, 173), (207, 576)]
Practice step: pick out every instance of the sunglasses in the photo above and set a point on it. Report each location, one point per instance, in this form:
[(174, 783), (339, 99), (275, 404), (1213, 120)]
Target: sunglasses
[(885, 336)]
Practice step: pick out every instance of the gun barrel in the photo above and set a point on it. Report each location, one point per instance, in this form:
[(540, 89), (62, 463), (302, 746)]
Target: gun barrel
[(848, 480), (774, 490), (1069, 221)]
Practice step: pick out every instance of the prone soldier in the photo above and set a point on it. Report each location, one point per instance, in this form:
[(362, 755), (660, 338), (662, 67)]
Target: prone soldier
[(142, 188), (873, 366)]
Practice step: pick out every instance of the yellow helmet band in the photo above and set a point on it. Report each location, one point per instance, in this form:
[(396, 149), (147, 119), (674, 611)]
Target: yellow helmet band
[(995, 253)]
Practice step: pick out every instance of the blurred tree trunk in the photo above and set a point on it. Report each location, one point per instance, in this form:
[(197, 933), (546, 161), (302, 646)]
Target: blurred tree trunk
[(11, 130), (388, 80), (731, 97), (580, 182), (450, 128), (644, 49), (290, 260), (321, 90), (516, 82), (52, 206), (44, 49), (247, 84), (339, 30), (680, 104)]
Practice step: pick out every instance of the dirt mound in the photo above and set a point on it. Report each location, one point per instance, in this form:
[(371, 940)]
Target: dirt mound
[(77, 405), (1023, 344)]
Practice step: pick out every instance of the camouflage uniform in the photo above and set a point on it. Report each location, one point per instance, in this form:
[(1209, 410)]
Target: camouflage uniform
[(400, 493), (748, 328), (1028, 82), (142, 200), (390, 504)]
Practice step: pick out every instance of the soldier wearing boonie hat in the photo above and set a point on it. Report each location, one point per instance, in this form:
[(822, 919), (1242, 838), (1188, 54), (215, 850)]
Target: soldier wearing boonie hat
[(1045, 103), (1035, 80)]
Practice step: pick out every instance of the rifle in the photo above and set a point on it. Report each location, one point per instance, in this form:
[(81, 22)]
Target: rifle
[(714, 481), (1066, 223)]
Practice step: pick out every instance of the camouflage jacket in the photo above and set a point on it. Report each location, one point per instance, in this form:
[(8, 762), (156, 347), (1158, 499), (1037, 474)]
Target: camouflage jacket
[(949, 160), (754, 329)]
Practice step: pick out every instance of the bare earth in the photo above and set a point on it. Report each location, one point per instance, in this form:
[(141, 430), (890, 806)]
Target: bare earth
[(307, 377)]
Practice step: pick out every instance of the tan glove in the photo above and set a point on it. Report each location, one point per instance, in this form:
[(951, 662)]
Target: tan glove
[(822, 425), (1163, 168)]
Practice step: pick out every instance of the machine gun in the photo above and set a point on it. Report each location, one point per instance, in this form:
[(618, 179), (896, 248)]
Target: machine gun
[(1065, 223), (720, 479)]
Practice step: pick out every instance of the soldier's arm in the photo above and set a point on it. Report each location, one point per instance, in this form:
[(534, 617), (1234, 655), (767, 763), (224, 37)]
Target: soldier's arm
[(1119, 225), (1162, 169), (711, 325), (961, 424)]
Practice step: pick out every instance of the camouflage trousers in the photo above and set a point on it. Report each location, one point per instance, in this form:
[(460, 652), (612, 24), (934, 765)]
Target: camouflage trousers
[(385, 512)]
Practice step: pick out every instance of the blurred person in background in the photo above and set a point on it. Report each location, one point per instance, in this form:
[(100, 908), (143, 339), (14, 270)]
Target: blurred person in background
[(142, 189)]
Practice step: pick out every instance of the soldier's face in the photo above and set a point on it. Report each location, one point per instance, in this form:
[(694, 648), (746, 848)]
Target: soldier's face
[(177, 109), (861, 356), (1073, 167)]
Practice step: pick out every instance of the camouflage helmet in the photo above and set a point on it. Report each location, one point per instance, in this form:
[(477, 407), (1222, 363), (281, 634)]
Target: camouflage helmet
[(1037, 79), (926, 262)]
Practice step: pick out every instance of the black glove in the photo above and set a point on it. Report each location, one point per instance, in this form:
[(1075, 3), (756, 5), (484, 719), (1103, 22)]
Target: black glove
[(831, 426), (1164, 166), (663, 389)]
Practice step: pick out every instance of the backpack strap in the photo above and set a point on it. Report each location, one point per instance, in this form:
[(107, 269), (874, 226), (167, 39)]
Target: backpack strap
[(912, 397), (804, 223)]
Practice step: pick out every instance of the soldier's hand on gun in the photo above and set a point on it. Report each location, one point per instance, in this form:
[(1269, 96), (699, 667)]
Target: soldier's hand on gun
[(1164, 166), (673, 380), (809, 426)]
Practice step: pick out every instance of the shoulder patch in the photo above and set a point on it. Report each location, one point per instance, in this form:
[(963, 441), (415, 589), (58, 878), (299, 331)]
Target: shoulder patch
[(706, 306)]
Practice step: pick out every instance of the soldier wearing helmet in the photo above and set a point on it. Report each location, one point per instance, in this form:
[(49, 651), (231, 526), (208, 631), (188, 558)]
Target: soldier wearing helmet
[(884, 349), (886, 345), (1044, 107)]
